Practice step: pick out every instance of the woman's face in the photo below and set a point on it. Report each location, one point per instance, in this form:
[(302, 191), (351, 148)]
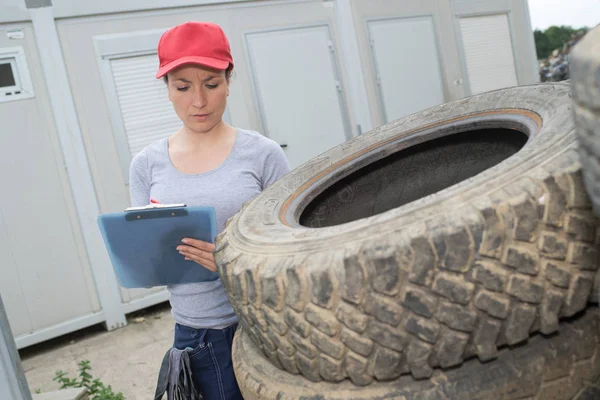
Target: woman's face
[(199, 96)]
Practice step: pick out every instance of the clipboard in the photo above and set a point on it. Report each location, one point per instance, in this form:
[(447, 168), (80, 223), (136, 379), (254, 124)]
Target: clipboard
[(142, 242)]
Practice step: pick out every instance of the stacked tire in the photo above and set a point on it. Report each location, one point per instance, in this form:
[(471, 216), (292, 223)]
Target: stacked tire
[(451, 254), (585, 73)]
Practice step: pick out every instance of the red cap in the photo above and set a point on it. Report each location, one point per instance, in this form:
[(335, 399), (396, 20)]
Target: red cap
[(201, 43)]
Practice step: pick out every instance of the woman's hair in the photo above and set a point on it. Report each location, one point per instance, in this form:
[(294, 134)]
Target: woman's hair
[(228, 73)]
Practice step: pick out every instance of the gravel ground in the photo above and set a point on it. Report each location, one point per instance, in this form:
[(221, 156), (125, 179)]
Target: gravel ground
[(128, 359)]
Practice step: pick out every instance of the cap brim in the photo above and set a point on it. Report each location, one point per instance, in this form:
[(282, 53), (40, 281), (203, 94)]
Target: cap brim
[(204, 61)]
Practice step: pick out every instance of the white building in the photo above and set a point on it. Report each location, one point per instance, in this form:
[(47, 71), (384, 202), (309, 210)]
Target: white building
[(78, 98)]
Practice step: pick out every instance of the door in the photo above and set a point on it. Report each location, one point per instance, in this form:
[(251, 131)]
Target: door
[(409, 54), (408, 71), (298, 89)]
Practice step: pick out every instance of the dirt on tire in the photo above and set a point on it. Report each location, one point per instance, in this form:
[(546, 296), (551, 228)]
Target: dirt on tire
[(333, 279)]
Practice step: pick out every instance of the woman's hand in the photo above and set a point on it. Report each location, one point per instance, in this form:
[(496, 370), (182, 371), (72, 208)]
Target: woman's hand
[(199, 252)]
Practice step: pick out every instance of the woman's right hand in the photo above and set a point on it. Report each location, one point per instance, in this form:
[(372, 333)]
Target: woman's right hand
[(198, 251)]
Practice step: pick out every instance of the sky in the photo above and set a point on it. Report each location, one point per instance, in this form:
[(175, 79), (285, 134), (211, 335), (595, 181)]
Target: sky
[(577, 13)]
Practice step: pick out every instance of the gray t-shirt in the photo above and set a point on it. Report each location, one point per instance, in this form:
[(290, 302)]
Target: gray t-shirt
[(255, 162)]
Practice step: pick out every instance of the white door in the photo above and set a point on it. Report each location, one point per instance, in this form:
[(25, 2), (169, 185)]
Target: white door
[(405, 55), (298, 89), (489, 53)]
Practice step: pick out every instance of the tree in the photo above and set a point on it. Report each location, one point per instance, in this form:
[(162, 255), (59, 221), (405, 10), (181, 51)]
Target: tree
[(552, 38), (542, 44)]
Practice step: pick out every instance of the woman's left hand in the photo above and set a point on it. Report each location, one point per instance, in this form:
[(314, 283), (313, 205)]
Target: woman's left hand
[(199, 252)]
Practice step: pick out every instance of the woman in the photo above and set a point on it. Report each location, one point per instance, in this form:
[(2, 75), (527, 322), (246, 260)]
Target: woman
[(206, 162)]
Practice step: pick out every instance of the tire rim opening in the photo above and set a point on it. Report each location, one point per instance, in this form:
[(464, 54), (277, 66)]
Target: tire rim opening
[(411, 174)]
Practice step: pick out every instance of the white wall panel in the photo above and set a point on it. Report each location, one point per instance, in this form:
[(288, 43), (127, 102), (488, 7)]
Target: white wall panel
[(409, 72), (45, 276), (299, 90), (474, 7)]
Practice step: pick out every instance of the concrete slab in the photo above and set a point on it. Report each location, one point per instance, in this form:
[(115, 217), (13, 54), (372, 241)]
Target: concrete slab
[(128, 359)]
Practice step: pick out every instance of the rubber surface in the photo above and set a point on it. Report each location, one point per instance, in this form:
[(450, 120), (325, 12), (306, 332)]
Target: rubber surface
[(464, 271), (564, 366), (585, 81)]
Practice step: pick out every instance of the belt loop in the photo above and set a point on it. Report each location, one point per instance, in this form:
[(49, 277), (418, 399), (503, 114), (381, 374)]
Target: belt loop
[(202, 334)]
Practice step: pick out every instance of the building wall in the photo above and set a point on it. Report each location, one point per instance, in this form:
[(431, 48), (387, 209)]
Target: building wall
[(366, 12), (46, 277), (13, 11), (68, 294)]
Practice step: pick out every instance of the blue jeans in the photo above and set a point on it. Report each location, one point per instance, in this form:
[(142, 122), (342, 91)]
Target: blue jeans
[(210, 359)]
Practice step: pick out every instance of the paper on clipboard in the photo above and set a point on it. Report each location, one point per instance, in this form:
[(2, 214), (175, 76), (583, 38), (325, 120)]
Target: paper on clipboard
[(154, 206)]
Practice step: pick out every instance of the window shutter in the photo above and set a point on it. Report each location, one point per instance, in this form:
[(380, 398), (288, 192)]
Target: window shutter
[(489, 53), (146, 111)]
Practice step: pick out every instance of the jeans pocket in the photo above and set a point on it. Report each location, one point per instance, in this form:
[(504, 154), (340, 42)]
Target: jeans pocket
[(191, 339), (201, 348)]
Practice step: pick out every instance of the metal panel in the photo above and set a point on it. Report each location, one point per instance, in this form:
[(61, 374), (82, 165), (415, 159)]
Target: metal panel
[(441, 16), (465, 8), (408, 71), (46, 276), (524, 43), (61, 328), (145, 299), (76, 162), (13, 11), (13, 385), (300, 94), (128, 43), (10, 284), (75, 8), (489, 53), (357, 90)]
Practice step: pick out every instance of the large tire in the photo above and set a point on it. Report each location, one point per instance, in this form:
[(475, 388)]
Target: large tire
[(585, 83), (479, 264), (562, 367)]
